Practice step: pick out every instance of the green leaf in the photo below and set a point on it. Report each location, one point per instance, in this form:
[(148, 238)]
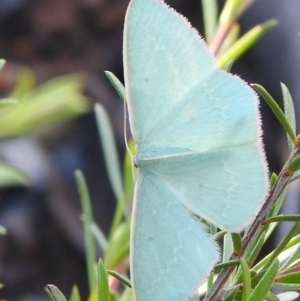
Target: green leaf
[(99, 237), (246, 279), (237, 243), (117, 85), (11, 176), (282, 245), (231, 38), (295, 176), (219, 235), (75, 296), (226, 264), (103, 286), (294, 165), (288, 281), (246, 42), (112, 163), (121, 278), (110, 150), (56, 294), (277, 206), (210, 14), (273, 179), (289, 112), (54, 101), (227, 247), (269, 230), (290, 257), (276, 110), (254, 249), (230, 11), (228, 66), (294, 241), (87, 222), (118, 246), (266, 282), (284, 218)]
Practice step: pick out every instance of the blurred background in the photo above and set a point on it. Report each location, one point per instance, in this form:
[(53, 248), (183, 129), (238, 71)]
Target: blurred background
[(44, 243)]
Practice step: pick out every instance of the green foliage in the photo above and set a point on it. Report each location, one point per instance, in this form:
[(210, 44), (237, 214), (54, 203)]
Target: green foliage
[(29, 109), (88, 234), (56, 100)]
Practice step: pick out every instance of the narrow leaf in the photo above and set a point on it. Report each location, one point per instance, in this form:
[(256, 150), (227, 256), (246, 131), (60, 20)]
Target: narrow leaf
[(219, 235), (87, 222), (56, 293), (75, 296), (295, 176), (273, 179), (226, 264), (245, 42), (283, 218), (254, 249), (117, 85), (99, 237), (231, 38), (121, 278), (291, 255), (237, 243), (289, 111), (103, 286), (288, 286), (118, 246), (265, 283), (294, 165), (227, 247), (230, 11), (246, 279), (54, 101), (276, 110), (282, 245), (210, 12), (111, 161), (228, 66), (110, 149), (277, 206), (293, 278)]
